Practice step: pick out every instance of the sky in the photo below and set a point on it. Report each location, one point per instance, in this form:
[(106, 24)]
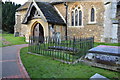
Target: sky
[(23, 1), (17, 1)]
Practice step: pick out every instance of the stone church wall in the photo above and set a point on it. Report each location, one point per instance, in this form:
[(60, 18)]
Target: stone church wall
[(61, 9), (19, 26), (87, 29), (61, 29), (119, 33), (118, 17)]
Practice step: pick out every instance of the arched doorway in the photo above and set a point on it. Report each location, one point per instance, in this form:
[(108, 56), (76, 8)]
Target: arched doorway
[(38, 32)]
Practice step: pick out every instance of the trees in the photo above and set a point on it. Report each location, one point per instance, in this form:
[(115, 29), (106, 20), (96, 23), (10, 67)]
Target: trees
[(8, 16)]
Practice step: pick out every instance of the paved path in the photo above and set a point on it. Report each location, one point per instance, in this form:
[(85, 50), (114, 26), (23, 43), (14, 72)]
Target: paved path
[(12, 66)]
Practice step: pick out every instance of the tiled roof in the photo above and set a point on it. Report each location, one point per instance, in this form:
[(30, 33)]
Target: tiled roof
[(26, 5), (50, 13)]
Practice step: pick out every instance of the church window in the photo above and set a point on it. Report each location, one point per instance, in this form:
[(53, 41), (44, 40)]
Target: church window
[(72, 20), (76, 16), (80, 18), (92, 15)]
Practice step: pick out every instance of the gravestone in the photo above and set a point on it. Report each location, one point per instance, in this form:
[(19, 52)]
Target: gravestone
[(106, 55), (16, 34), (57, 37), (98, 77), (63, 48), (110, 50)]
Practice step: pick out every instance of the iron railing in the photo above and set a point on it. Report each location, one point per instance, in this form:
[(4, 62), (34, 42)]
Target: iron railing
[(67, 50)]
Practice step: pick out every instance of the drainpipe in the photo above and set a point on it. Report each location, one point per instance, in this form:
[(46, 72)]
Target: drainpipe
[(66, 5)]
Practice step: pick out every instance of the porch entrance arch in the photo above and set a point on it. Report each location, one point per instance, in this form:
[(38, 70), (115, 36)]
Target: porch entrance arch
[(38, 32)]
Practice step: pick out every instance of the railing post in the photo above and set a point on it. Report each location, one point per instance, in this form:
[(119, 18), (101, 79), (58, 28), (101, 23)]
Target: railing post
[(29, 45), (32, 43), (93, 42), (73, 49)]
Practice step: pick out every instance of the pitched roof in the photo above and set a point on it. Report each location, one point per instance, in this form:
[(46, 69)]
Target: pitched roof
[(50, 13), (27, 4)]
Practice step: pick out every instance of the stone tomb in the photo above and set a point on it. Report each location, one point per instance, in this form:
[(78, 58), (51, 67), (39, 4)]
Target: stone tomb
[(106, 55), (109, 50), (63, 48)]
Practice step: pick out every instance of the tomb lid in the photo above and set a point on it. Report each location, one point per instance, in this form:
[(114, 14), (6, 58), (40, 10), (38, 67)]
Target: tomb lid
[(103, 49)]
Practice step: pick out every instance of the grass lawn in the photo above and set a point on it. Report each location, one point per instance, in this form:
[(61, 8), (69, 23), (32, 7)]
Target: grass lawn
[(9, 39), (109, 44), (46, 67)]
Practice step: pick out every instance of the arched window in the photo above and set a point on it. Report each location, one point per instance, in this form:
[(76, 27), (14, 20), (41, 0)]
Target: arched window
[(72, 18), (80, 18), (76, 17), (92, 15)]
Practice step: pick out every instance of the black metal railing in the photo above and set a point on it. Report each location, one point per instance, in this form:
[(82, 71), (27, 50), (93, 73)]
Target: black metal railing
[(67, 50)]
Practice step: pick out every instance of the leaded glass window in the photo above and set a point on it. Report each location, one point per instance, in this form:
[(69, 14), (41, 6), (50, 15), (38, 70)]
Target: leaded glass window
[(76, 17), (80, 18), (72, 18), (92, 15)]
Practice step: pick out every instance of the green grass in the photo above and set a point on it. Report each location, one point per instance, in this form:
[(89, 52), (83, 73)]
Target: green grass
[(109, 44), (11, 40), (46, 67)]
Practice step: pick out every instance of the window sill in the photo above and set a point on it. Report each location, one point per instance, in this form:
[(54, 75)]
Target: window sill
[(76, 26), (92, 23)]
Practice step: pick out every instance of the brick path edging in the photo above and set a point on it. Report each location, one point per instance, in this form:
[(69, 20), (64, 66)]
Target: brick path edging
[(21, 66)]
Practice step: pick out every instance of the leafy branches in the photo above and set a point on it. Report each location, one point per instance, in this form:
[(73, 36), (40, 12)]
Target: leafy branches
[(8, 16)]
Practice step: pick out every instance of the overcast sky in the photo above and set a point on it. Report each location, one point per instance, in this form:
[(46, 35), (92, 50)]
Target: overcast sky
[(17, 1)]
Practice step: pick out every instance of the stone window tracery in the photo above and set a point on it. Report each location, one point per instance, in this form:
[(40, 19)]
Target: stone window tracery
[(36, 14), (76, 16)]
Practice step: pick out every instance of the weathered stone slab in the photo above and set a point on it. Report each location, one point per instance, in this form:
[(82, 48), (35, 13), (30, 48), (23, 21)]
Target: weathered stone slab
[(63, 48), (16, 34), (108, 50), (98, 77), (105, 55), (105, 59)]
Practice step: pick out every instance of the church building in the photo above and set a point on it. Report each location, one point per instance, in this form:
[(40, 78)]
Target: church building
[(79, 18)]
